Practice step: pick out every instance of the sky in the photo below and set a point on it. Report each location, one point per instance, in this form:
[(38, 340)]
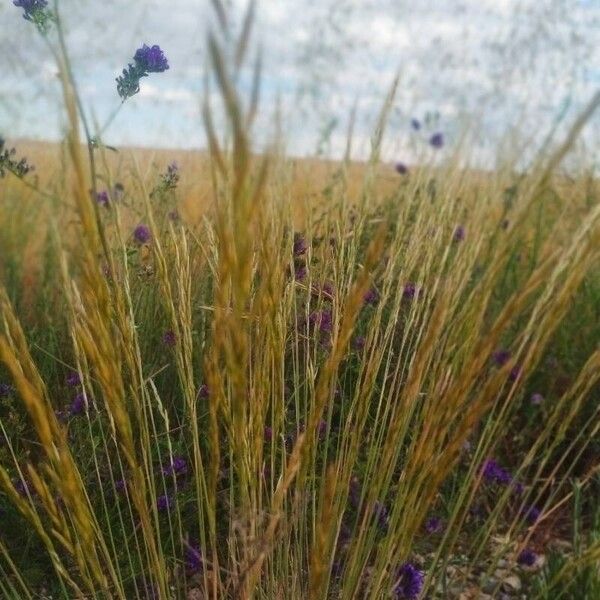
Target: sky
[(502, 72)]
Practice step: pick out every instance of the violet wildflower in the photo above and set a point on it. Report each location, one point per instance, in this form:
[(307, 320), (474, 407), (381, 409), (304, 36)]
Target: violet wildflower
[(401, 168), (78, 405), (434, 525), (151, 59), (193, 558), (73, 379), (19, 168), (358, 343), (459, 233), (142, 234), (121, 486), (436, 140), (300, 272), (169, 338), (22, 487), (102, 198), (178, 466), (494, 473), (515, 373), (6, 390), (173, 215), (409, 582), (371, 297), (36, 11), (268, 434), (410, 291), (322, 429), (531, 514), (415, 124), (171, 177), (300, 245), (323, 320), (527, 558), (536, 399), (164, 503), (147, 59), (501, 357), (203, 392)]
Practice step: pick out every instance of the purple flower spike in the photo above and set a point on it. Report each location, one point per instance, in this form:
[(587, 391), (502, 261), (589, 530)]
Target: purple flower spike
[(371, 297), (531, 514), (494, 473), (177, 467), (415, 124), (73, 379), (401, 168), (193, 558), (410, 291), (151, 59), (537, 399), (501, 357), (102, 198), (515, 373), (78, 405), (409, 582), (33, 10), (169, 339), (437, 140), (459, 233), (142, 234), (527, 558), (359, 342), (300, 245), (300, 273), (164, 503), (434, 525)]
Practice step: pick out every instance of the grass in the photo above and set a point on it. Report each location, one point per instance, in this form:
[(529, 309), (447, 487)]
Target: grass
[(279, 389)]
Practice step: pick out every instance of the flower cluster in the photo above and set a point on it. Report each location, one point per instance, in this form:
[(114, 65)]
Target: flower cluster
[(6, 390), (19, 168), (37, 12), (147, 59), (409, 582)]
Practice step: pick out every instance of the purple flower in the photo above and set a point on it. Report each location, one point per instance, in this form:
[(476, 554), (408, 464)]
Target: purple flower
[(415, 124), (531, 514), (300, 245), (410, 291), (501, 357), (321, 319), (5, 390), (32, 9), (102, 198), (173, 215), (437, 140), (527, 558), (409, 582), (268, 433), (401, 168), (515, 373), (193, 558), (142, 234), (151, 59), (170, 179), (300, 272), (371, 296), (146, 60), (178, 466), (73, 379), (537, 399), (494, 473), (203, 392), (434, 525), (22, 487), (358, 343), (459, 233), (78, 405), (121, 486), (164, 503), (322, 429), (169, 338)]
